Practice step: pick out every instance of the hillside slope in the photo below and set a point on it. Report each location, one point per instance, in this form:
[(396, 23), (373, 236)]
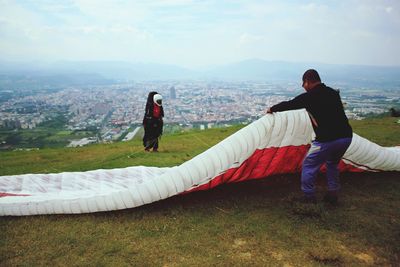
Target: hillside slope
[(251, 223), (175, 149)]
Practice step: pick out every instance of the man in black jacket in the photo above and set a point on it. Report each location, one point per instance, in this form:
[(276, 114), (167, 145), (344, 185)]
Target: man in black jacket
[(332, 129)]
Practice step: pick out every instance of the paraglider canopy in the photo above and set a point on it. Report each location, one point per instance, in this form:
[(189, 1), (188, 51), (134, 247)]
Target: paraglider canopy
[(157, 98)]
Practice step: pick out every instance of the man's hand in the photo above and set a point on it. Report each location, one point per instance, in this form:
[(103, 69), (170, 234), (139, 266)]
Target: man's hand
[(268, 111)]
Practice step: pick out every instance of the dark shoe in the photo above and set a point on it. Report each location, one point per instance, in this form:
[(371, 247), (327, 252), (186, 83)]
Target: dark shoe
[(155, 150), (147, 149), (331, 198)]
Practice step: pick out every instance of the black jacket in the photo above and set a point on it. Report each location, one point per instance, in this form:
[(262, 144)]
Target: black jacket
[(153, 127), (326, 111)]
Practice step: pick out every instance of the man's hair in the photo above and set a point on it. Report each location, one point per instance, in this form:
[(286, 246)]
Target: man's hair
[(311, 75)]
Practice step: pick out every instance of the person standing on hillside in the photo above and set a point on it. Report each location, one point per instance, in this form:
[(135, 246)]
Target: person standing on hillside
[(333, 134), (153, 122)]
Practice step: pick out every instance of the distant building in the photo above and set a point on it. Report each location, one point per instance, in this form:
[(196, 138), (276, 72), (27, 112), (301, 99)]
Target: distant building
[(12, 124), (172, 92), (82, 142), (101, 108)]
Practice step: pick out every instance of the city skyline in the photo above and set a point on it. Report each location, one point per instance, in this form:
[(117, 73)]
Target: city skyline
[(196, 34)]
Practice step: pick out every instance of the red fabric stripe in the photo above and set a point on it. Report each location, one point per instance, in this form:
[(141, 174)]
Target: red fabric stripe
[(267, 162), (3, 194)]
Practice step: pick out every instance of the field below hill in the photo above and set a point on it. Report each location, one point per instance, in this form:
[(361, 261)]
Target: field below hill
[(253, 223)]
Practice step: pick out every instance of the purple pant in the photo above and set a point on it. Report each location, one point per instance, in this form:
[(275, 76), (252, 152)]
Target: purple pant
[(320, 153)]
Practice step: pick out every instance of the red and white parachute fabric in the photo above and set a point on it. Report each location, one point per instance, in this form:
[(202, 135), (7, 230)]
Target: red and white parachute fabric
[(274, 144)]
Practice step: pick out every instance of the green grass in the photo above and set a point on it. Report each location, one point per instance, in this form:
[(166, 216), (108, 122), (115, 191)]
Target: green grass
[(175, 149), (384, 131), (245, 224), (41, 137)]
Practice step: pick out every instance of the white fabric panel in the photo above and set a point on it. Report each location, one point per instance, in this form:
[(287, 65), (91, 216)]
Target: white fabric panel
[(102, 190), (370, 156)]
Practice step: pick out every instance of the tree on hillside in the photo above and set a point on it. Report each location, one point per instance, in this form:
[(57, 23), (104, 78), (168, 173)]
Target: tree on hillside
[(394, 112)]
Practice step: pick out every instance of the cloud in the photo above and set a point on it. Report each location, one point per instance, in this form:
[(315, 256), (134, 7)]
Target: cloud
[(247, 38), (313, 8), (193, 32)]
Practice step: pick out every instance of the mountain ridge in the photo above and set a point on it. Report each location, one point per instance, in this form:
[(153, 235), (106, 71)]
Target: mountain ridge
[(249, 70)]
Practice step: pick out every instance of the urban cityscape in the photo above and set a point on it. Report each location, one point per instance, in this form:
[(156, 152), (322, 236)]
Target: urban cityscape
[(115, 112)]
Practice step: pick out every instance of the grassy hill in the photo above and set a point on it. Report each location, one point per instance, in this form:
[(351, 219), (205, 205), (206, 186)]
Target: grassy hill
[(252, 223)]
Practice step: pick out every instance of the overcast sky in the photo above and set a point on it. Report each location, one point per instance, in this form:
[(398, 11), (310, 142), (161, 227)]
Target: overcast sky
[(195, 33)]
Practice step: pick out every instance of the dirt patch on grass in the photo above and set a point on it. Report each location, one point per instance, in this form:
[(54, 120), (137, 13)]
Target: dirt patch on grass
[(239, 243), (367, 259)]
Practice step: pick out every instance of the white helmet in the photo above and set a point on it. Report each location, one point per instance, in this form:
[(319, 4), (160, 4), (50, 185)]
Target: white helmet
[(157, 98)]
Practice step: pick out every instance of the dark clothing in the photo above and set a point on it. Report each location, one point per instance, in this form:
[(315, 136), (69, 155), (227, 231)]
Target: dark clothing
[(152, 123), (329, 153), (153, 129), (326, 111)]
